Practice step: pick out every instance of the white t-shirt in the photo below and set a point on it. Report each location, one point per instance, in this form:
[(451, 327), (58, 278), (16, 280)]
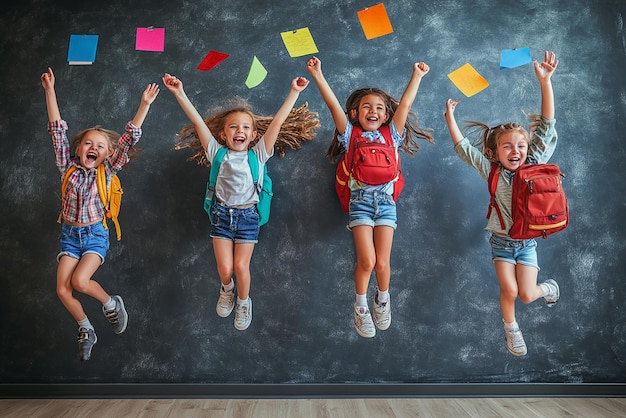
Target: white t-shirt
[(234, 186)]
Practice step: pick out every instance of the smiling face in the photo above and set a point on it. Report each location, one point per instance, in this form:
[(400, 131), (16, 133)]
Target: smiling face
[(93, 149), (239, 130), (512, 150), (372, 112)]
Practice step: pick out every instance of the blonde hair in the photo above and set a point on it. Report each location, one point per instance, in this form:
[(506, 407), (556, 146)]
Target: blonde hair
[(111, 137), (487, 137), (299, 127), (413, 130)]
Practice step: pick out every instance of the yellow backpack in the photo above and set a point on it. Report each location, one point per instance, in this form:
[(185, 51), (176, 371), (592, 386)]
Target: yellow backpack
[(111, 197)]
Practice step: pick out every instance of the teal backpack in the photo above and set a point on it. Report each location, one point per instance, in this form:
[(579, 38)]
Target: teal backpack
[(264, 189)]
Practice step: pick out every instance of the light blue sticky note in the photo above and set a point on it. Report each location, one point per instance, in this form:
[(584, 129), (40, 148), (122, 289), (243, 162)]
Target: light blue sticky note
[(512, 58), (82, 49)]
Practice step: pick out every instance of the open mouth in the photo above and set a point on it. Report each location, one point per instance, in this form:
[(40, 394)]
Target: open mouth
[(91, 156), (239, 140)]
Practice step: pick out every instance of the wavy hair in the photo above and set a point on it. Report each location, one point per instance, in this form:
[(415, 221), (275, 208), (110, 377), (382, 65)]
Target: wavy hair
[(299, 127)]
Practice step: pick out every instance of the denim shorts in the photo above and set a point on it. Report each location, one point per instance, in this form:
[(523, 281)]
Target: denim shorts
[(513, 251), (372, 208), (238, 225), (77, 241)]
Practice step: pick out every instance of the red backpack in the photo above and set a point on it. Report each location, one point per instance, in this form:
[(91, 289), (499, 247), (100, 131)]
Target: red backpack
[(369, 162), (539, 205)]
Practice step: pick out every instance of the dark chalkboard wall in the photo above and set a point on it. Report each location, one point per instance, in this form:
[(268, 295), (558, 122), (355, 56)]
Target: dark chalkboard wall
[(446, 319)]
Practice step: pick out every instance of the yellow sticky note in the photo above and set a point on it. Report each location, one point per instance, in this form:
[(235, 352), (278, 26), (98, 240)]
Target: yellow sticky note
[(299, 42), (375, 21), (468, 80), (257, 73)]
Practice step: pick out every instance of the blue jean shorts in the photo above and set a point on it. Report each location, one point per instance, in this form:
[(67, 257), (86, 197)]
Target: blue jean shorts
[(77, 241), (238, 225), (372, 208), (514, 251)]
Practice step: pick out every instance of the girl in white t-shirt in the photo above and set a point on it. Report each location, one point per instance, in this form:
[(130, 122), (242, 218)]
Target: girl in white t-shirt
[(235, 225)]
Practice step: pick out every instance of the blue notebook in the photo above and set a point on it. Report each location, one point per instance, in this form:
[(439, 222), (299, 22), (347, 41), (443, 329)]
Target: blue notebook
[(82, 49)]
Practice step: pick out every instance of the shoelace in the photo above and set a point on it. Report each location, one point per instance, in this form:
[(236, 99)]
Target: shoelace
[(83, 336), (226, 298), (381, 306), (112, 316), (243, 310), (516, 339), (363, 320)]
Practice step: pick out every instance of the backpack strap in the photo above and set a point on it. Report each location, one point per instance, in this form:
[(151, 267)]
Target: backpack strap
[(103, 190), (215, 166), (105, 193), (385, 131), (253, 162), (356, 133), (492, 182)]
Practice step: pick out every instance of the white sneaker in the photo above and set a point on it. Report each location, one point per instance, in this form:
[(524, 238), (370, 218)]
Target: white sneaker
[(382, 313), (226, 302), (243, 315), (552, 292), (515, 342), (363, 322)]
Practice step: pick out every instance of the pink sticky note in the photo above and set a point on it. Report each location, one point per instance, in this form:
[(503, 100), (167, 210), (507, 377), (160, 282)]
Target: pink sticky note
[(212, 59), (150, 39)]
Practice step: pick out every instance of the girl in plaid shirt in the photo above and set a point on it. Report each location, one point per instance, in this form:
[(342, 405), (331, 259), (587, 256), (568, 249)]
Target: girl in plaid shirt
[(84, 240)]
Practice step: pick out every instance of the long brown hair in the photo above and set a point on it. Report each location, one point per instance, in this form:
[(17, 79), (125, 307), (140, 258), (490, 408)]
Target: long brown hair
[(413, 130), (299, 127)]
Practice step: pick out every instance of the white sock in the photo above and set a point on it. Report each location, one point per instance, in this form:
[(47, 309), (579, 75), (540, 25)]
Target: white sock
[(85, 323), (361, 300), (243, 302), (110, 304), (229, 286), (383, 296), (509, 326)]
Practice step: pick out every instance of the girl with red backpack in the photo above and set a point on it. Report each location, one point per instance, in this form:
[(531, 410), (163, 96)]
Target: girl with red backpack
[(373, 172), (510, 146)]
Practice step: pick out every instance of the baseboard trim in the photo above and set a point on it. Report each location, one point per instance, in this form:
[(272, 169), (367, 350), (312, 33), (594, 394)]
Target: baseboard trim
[(256, 391)]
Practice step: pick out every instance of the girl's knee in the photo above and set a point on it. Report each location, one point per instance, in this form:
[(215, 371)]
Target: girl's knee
[(509, 293), (382, 266), (526, 296), (64, 292), (366, 264), (241, 268), (81, 284)]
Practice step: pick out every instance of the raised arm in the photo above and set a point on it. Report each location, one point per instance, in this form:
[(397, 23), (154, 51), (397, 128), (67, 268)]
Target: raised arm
[(420, 69), (174, 85), (147, 97), (453, 127), (47, 81), (314, 67), (544, 72), (271, 134)]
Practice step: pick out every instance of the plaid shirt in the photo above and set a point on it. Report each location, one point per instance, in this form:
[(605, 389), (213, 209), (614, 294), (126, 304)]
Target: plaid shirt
[(82, 202)]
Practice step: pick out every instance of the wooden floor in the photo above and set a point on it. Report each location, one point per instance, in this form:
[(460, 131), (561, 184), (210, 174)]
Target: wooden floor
[(316, 408)]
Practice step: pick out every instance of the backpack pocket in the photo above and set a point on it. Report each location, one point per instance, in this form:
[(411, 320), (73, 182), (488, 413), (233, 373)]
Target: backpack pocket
[(374, 163)]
